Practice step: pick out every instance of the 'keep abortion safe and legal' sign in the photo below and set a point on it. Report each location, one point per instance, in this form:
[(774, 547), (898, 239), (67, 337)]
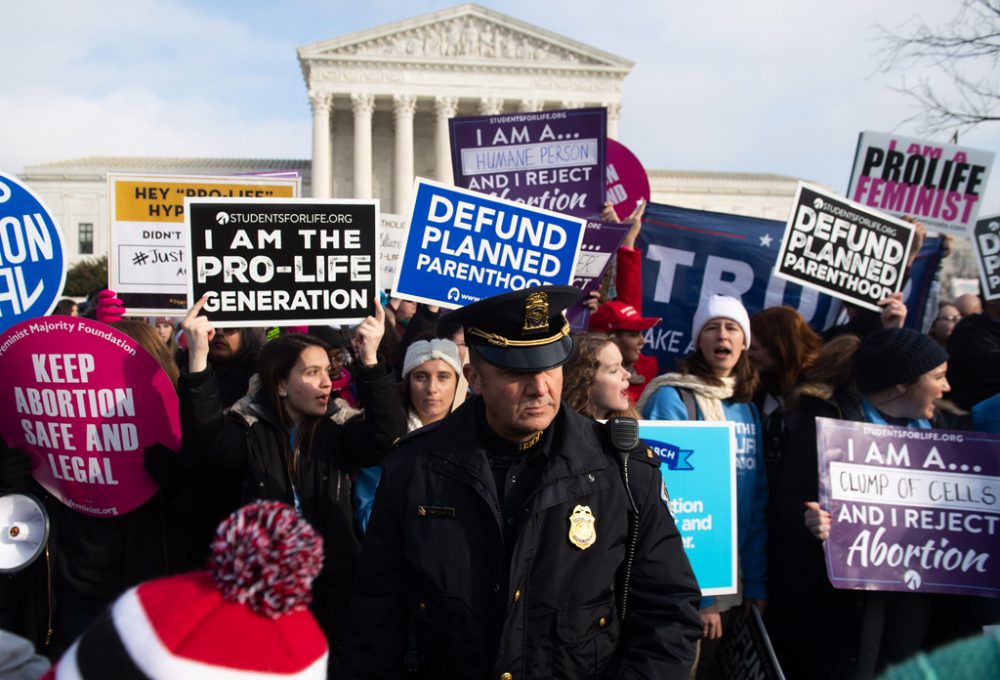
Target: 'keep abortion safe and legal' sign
[(32, 268), (148, 258), (986, 244), (842, 248), (698, 464), (85, 400), (553, 160), (273, 262), (942, 185), (912, 509), (464, 246)]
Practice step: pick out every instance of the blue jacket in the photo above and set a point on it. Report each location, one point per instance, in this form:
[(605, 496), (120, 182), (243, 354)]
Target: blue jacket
[(986, 415), (751, 483)]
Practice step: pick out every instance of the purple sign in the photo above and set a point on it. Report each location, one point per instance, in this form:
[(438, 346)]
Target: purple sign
[(627, 179), (913, 509), (549, 159), (601, 241)]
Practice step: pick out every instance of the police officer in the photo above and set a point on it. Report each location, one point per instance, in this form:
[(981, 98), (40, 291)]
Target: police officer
[(503, 536)]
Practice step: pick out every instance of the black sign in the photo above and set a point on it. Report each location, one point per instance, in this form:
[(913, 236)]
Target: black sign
[(986, 241), (843, 249), (746, 650), (283, 262)]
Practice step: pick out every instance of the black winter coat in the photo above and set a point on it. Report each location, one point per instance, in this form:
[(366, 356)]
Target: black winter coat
[(434, 566), (974, 360), (250, 448)]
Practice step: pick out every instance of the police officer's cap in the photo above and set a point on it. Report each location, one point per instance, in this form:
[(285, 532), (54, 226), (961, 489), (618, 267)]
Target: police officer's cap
[(524, 330)]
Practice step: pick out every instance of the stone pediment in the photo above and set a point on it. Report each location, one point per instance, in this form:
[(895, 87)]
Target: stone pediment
[(467, 33)]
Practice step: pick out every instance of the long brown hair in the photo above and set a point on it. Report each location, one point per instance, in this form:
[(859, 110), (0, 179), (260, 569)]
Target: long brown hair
[(580, 372), (793, 344), (146, 336), (831, 371)]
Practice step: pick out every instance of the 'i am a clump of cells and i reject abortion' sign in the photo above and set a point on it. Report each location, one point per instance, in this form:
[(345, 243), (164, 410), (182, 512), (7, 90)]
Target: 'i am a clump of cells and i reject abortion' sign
[(912, 509), (270, 262), (85, 400), (32, 269), (464, 246)]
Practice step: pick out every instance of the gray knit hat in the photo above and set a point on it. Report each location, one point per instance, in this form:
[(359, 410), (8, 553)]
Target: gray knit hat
[(896, 356)]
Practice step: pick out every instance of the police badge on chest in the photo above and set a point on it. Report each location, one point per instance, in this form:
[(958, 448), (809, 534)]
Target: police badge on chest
[(582, 530)]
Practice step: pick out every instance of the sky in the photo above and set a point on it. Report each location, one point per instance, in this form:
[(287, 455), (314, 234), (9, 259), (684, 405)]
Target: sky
[(773, 86)]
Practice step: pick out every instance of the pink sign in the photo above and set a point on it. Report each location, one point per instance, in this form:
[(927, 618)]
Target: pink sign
[(85, 400), (627, 180)]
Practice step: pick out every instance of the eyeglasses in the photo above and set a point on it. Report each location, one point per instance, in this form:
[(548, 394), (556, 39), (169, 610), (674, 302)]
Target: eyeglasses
[(950, 317)]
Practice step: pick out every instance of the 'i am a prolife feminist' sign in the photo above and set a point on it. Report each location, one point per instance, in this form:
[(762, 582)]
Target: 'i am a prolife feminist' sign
[(843, 248), (913, 509), (554, 160), (273, 262)]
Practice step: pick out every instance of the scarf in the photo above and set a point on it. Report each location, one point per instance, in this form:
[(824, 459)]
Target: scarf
[(707, 397)]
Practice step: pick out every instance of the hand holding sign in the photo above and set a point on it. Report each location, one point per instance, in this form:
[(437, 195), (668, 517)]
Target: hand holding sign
[(368, 335), (818, 521), (198, 331), (893, 311)]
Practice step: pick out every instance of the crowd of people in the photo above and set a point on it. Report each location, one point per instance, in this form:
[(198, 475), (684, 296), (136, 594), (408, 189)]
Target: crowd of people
[(478, 519)]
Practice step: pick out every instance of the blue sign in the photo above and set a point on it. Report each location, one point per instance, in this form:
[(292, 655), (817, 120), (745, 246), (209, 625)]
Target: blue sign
[(32, 271), (692, 254), (698, 464), (463, 246)]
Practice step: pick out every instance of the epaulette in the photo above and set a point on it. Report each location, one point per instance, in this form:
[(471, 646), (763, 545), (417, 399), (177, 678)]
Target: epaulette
[(415, 434), (646, 455)]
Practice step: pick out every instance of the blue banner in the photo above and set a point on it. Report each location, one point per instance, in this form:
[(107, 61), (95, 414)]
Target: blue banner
[(32, 270), (698, 464), (692, 254), (463, 246)]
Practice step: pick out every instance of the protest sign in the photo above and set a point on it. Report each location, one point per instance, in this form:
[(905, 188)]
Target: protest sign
[(627, 181), (84, 401), (391, 239), (601, 241), (843, 249), (913, 509), (552, 160), (941, 185), (698, 464), (745, 651), (32, 269), (147, 258), (274, 262), (986, 244), (464, 246)]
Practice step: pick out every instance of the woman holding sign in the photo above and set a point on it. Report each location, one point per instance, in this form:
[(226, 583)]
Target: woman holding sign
[(717, 382), (892, 377), (282, 443)]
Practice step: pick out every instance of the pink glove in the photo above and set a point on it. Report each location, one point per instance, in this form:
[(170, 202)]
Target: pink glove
[(109, 308)]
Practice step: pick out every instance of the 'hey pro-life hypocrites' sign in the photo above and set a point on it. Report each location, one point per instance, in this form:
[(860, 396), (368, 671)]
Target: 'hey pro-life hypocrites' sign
[(272, 262), (464, 246)]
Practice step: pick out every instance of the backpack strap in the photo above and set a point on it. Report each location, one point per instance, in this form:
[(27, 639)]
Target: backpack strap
[(687, 396)]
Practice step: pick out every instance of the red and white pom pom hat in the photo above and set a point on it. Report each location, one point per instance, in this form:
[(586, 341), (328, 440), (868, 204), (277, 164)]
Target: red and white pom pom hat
[(247, 619)]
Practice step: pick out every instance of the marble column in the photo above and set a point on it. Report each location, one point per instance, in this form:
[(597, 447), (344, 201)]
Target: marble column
[(322, 151), (444, 108), (363, 105), (403, 106), (532, 105), (614, 113), (490, 107)]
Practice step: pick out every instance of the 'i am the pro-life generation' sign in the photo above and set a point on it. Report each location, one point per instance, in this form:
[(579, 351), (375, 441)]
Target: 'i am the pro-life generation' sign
[(147, 257), (912, 509), (842, 248), (273, 262), (463, 246), (553, 160), (941, 185)]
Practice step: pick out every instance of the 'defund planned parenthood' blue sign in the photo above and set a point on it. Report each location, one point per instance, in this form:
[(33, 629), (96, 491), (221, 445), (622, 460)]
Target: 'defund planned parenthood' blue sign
[(698, 464), (463, 246)]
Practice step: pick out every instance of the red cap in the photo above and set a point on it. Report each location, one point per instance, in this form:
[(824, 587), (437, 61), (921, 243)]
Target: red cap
[(618, 316)]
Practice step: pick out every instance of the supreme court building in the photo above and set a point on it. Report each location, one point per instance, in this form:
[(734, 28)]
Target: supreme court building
[(380, 102)]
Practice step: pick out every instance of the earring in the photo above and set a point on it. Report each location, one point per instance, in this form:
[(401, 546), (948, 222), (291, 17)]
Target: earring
[(282, 393)]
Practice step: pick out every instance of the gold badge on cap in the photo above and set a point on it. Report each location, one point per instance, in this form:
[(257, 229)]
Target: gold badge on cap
[(536, 313), (582, 532)]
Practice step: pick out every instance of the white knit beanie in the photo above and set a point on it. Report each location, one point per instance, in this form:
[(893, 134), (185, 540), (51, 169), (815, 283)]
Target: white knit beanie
[(426, 350), (725, 307)]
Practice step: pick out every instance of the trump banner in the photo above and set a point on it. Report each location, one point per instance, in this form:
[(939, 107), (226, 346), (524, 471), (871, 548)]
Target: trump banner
[(913, 510), (941, 185), (698, 464), (554, 160), (463, 246), (692, 254), (84, 400)]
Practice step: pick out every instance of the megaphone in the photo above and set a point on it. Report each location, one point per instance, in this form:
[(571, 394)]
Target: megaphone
[(24, 529)]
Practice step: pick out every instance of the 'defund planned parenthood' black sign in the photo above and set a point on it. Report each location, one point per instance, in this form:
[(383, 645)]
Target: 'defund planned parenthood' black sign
[(267, 262), (843, 248)]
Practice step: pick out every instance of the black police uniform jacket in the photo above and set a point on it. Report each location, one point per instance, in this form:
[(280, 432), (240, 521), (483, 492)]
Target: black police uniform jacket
[(434, 587)]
